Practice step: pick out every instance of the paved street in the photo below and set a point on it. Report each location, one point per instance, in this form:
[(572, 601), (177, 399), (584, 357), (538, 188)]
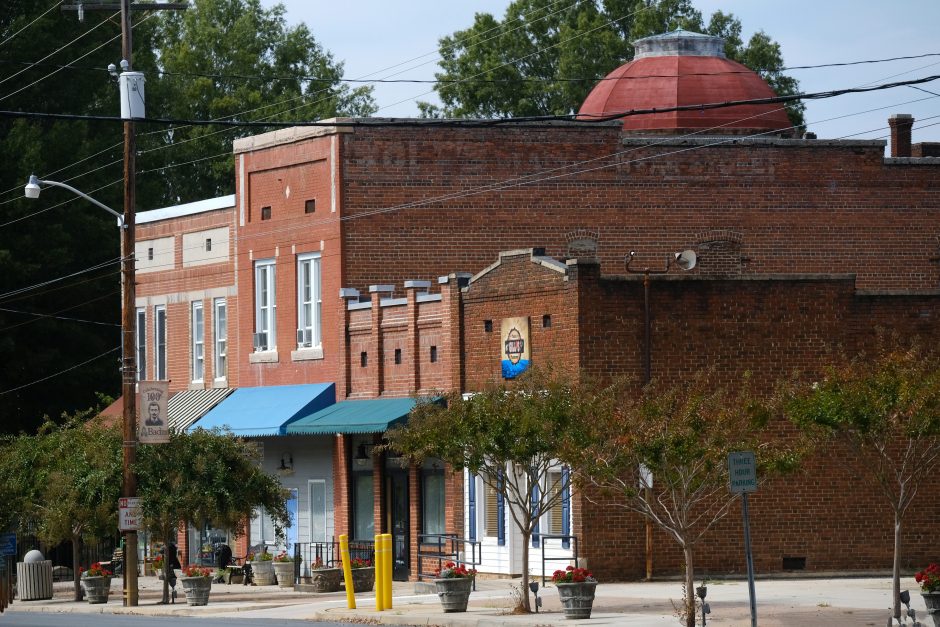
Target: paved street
[(781, 603)]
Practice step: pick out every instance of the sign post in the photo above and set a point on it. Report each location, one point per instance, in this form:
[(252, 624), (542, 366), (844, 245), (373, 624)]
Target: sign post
[(129, 514), (742, 474)]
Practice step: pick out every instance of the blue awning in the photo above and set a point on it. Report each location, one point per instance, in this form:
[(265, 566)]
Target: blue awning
[(363, 416), (261, 411)]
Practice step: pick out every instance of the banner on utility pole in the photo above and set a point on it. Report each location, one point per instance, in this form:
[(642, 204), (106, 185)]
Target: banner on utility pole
[(152, 413)]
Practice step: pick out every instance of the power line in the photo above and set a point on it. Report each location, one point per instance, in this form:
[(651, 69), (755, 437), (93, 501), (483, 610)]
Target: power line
[(46, 12), (524, 79), (481, 122), (29, 288), (61, 48), (56, 316), (87, 361)]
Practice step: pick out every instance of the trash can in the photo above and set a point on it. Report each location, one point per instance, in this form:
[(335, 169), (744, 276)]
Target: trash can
[(34, 577)]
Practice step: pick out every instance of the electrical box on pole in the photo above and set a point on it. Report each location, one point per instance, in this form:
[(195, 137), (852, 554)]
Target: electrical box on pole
[(132, 95)]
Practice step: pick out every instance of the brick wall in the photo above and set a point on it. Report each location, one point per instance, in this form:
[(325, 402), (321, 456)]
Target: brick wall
[(767, 325), (795, 205), (177, 288)]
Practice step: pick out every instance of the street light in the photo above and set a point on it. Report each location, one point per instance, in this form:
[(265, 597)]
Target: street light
[(33, 188), (686, 260), (128, 368)]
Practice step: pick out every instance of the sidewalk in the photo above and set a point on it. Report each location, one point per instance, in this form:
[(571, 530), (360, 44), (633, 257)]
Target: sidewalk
[(780, 602)]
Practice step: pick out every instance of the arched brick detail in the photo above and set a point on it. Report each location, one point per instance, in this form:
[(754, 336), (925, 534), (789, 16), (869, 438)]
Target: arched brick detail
[(719, 252), (582, 243)]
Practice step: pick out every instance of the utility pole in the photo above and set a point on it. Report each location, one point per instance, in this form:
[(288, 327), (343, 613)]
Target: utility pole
[(129, 297)]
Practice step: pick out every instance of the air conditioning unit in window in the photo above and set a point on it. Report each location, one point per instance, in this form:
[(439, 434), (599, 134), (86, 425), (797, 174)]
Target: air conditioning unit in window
[(304, 337), (261, 341)]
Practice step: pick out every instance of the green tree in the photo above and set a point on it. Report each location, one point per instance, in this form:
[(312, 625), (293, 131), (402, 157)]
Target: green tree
[(218, 58), (679, 436), (63, 483), (508, 434), (205, 476), (224, 57), (544, 58), (886, 408)]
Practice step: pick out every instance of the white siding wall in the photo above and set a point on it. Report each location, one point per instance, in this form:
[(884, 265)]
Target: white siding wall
[(313, 459)]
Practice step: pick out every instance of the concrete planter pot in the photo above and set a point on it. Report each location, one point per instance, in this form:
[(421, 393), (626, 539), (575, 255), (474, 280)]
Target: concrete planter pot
[(577, 598), (932, 601), (97, 589), (454, 593), (363, 579), (325, 579), (197, 589), (284, 571), (263, 573)]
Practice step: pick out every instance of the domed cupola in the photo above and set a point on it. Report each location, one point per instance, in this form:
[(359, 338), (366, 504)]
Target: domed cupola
[(684, 68)]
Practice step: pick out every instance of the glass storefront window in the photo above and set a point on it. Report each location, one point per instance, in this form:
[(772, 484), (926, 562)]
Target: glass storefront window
[(364, 522)]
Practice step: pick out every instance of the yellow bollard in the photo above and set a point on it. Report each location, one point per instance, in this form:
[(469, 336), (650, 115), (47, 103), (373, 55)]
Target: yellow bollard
[(389, 560), (347, 571), (379, 579)]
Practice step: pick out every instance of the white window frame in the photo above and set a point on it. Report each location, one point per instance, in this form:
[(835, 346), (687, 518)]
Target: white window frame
[(545, 520), (140, 343), (220, 323), (159, 353), (309, 300), (197, 335), (266, 302)]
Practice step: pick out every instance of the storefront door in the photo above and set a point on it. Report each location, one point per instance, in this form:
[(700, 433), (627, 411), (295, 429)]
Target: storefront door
[(399, 523)]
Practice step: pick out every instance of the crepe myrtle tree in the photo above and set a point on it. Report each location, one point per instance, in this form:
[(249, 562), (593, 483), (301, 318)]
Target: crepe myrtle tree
[(205, 476), (885, 407), (509, 434), (63, 483), (678, 435)]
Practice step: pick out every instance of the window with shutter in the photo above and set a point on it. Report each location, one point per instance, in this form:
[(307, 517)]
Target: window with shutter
[(491, 510)]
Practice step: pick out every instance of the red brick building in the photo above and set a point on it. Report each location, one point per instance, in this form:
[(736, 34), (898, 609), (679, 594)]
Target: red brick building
[(337, 234)]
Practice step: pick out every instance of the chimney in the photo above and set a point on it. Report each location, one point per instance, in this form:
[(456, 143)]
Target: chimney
[(901, 124)]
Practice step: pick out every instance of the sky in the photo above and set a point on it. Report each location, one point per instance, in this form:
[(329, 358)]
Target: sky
[(374, 37)]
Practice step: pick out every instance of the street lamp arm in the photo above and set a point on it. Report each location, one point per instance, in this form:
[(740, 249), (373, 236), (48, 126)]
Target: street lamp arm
[(34, 180)]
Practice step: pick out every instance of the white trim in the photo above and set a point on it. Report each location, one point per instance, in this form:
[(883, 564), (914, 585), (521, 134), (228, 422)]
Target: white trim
[(315, 324), (178, 211), (219, 346), (197, 344), (266, 302), (157, 353)]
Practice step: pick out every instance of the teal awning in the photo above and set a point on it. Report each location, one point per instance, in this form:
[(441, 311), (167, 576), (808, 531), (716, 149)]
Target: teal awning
[(364, 416), (263, 411)]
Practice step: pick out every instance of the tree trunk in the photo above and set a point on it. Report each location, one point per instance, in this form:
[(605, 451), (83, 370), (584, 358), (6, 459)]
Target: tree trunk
[(689, 586), (524, 598), (896, 570), (76, 574)]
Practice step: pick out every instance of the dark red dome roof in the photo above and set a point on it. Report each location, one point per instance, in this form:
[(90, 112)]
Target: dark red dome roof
[(679, 69)]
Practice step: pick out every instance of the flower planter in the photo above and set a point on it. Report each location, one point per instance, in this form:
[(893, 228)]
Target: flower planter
[(454, 593), (197, 589), (263, 573), (325, 579), (97, 589), (231, 576), (284, 571), (363, 579), (932, 601), (577, 598)]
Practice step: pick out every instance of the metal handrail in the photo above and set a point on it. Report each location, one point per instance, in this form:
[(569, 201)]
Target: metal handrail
[(573, 540), (445, 547)]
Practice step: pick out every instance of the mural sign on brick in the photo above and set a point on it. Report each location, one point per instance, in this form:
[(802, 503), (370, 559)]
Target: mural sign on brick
[(514, 340)]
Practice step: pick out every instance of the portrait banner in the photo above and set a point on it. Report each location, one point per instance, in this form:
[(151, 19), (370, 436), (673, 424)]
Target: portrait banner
[(152, 399)]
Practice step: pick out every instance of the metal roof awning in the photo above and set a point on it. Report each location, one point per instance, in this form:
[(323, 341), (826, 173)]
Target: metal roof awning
[(361, 416), (265, 411), (186, 407)]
